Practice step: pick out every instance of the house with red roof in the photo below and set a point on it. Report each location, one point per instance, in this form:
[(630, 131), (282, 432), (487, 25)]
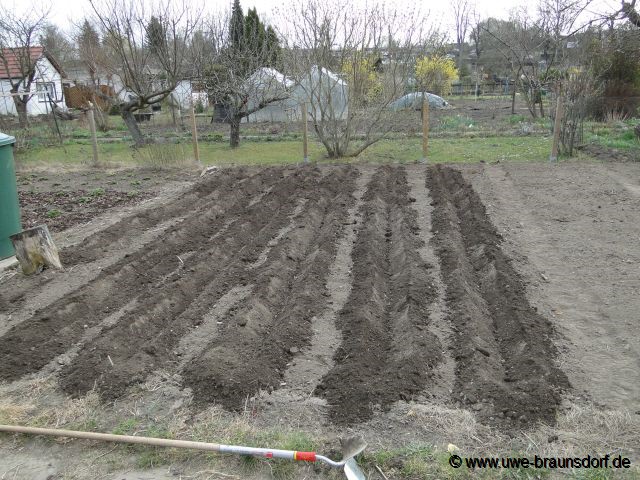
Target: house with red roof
[(34, 71)]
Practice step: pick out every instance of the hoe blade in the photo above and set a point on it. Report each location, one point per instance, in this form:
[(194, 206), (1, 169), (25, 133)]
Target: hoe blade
[(352, 471)]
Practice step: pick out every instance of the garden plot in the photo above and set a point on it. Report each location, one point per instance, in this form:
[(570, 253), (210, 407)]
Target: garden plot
[(341, 296)]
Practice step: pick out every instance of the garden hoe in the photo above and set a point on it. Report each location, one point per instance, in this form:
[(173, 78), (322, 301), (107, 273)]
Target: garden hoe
[(350, 447)]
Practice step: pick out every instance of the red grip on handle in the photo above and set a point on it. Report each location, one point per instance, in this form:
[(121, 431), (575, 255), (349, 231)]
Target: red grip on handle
[(305, 456)]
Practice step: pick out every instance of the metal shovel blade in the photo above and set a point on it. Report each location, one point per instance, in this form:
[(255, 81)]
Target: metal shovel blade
[(352, 446), (352, 471)]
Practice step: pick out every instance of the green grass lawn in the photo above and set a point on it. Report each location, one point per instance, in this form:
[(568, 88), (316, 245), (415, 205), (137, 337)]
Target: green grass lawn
[(468, 149)]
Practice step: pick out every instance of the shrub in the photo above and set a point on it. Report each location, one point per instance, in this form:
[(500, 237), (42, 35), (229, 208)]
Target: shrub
[(435, 74)]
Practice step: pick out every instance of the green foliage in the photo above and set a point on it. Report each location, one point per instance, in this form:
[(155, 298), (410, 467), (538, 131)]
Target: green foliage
[(53, 213), (126, 427), (274, 50), (156, 36), (435, 74), (363, 79), (615, 62), (97, 192), (236, 27), (255, 35)]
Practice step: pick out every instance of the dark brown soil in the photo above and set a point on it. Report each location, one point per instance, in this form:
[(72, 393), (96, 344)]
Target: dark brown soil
[(146, 336), (64, 209), (275, 233), (607, 154), (53, 329), (387, 353), (259, 338), (504, 353)]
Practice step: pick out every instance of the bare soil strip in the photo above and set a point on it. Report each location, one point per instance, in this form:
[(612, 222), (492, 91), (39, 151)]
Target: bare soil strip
[(257, 340), (438, 322), (197, 199), (146, 338), (388, 352), (104, 247), (84, 261), (51, 330), (308, 368), (60, 284), (505, 357)]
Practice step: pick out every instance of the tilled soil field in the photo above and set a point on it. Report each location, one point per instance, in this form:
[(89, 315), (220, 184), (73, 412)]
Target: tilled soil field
[(362, 287), (275, 232)]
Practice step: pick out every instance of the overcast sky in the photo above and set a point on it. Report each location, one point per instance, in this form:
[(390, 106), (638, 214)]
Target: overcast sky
[(65, 13)]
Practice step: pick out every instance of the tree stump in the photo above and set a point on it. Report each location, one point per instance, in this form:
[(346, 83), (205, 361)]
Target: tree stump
[(35, 250)]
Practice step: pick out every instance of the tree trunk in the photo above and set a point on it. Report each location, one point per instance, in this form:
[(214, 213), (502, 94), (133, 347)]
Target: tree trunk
[(234, 137), (21, 108), (132, 125), (35, 250), (513, 99)]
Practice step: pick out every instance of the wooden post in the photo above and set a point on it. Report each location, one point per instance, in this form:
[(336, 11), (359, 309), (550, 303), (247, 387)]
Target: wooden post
[(425, 128), (305, 134), (194, 133), (35, 250), (556, 128), (94, 138)]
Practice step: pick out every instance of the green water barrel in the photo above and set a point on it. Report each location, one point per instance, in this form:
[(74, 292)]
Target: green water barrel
[(9, 206)]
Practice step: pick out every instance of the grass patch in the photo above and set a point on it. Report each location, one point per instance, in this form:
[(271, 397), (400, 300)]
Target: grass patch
[(441, 150), (53, 213), (126, 427)]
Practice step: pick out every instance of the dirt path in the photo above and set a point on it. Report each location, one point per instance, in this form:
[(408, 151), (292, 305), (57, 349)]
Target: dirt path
[(574, 230)]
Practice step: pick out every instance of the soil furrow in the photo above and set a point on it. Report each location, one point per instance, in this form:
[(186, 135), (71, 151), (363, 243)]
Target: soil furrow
[(257, 340), (72, 279), (107, 246), (308, 368), (505, 357), (146, 337), (52, 329), (439, 323), (195, 200), (387, 353)]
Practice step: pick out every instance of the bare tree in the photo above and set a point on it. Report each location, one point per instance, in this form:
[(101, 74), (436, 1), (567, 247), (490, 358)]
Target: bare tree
[(236, 67), (147, 73), (349, 66), (536, 45), (630, 12), (462, 13), (57, 43), (19, 55)]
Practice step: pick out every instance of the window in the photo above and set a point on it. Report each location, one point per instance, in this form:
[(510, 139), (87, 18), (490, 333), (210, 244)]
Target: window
[(44, 88)]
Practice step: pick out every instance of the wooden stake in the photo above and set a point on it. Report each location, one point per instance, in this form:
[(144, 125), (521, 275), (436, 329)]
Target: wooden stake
[(194, 133), (94, 138), (556, 129), (305, 134), (425, 128), (35, 250)]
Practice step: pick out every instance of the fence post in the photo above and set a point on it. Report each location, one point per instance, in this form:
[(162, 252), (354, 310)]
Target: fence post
[(94, 138), (194, 133), (305, 134), (425, 128), (556, 128)]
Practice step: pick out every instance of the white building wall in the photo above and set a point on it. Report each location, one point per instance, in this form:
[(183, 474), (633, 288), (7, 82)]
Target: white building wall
[(46, 77)]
